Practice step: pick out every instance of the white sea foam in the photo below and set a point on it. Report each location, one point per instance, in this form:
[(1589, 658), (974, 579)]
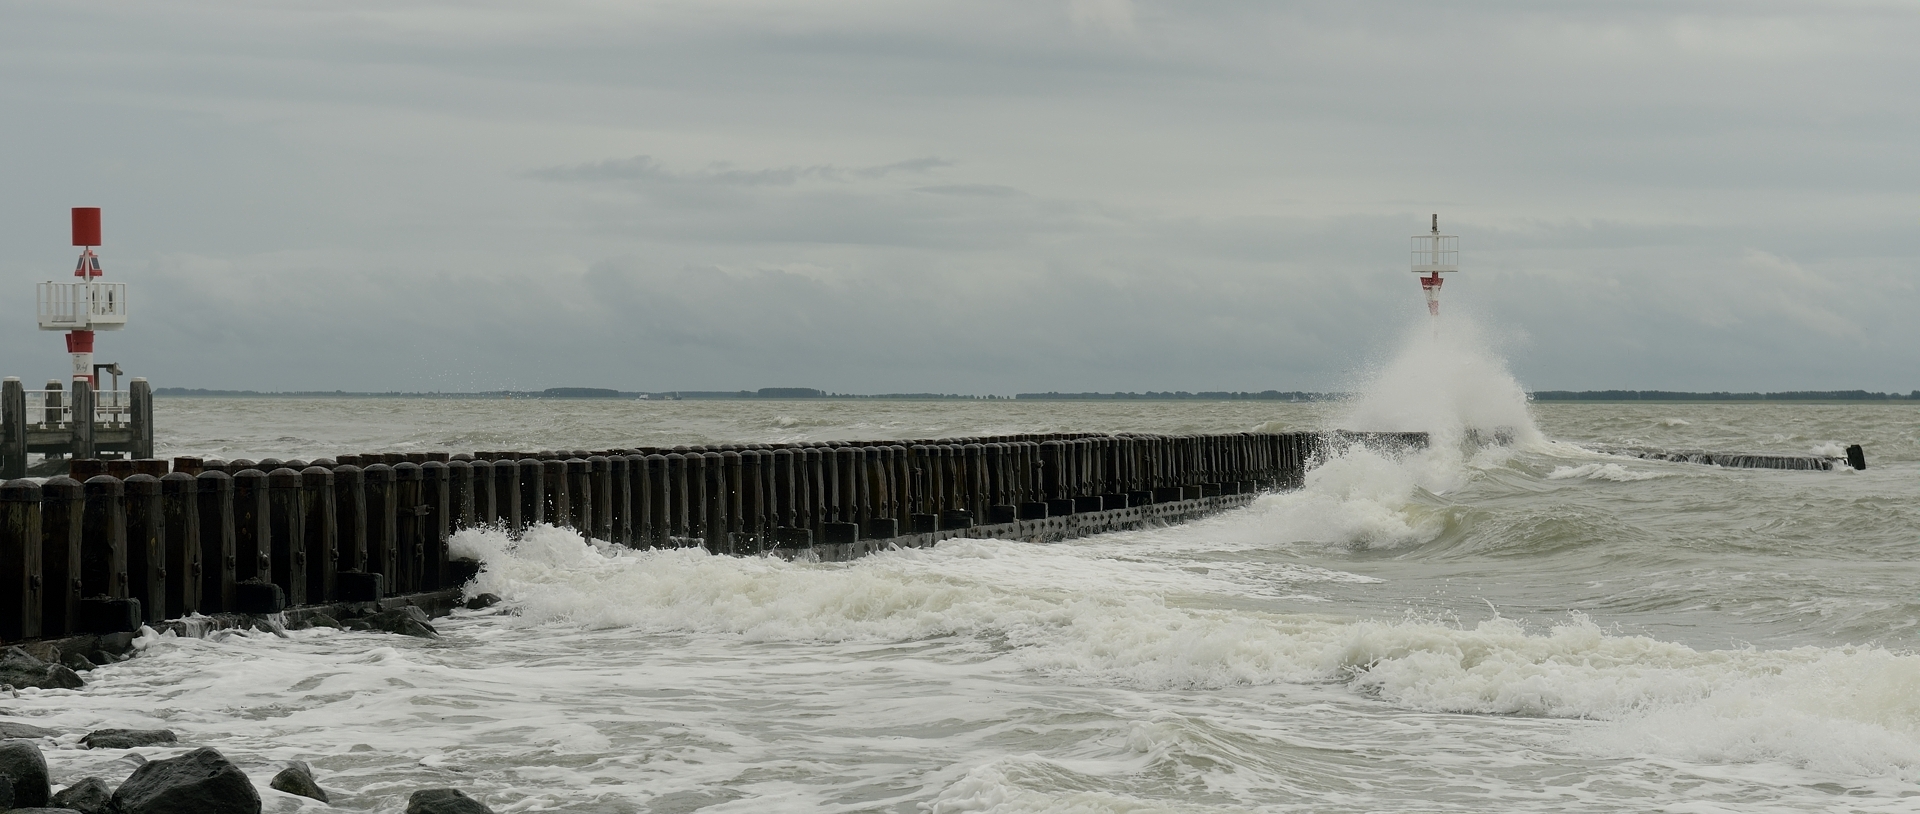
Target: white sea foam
[(1057, 612), (1609, 472)]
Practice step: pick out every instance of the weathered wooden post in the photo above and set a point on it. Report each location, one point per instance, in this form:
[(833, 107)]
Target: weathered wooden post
[(436, 499), (533, 492), (579, 511), (253, 551), (731, 484), (219, 552), (22, 599), (752, 501), (675, 490), (383, 557), (461, 505), (287, 534), (146, 546), (610, 497), (13, 429), (696, 486), (410, 526), (140, 417), (105, 606), (180, 507), (506, 496), (81, 422), (485, 511), (716, 501), (656, 513), (321, 536), (62, 507), (558, 508)]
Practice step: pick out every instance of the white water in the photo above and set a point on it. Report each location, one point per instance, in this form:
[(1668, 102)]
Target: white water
[(1529, 628)]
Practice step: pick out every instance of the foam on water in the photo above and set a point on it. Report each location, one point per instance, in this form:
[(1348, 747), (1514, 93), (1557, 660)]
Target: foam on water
[(1074, 616), (1612, 472)]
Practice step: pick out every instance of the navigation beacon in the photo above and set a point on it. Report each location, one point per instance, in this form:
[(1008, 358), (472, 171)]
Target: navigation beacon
[(86, 306), (1435, 254)]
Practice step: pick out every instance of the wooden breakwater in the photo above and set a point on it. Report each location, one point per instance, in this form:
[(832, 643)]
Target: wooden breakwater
[(128, 542)]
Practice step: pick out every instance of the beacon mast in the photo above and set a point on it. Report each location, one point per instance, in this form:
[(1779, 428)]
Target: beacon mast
[(88, 305), (1435, 254)]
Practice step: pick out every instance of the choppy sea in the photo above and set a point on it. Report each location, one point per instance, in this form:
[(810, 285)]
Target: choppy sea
[(1539, 626)]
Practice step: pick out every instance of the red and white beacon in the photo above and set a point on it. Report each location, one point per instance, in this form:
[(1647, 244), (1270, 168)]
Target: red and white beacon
[(1435, 254), (82, 307)]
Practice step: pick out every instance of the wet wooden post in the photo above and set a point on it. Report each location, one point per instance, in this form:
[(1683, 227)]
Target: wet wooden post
[(253, 554), (81, 422), (485, 511), (461, 505), (715, 482), (658, 512), (732, 499), (637, 528), (533, 492), (383, 556), (753, 496), (611, 497), (103, 539), (219, 554), (579, 511), (356, 578), (696, 485), (973, 459), (22, 599), (674, 489), (900, 477), (62, 506), (146, 546), (13, 429), (506, 496), (410, 526), (436, 517), (558, 508), (780, 502), (140, 417), (321, 536), (287, 534)]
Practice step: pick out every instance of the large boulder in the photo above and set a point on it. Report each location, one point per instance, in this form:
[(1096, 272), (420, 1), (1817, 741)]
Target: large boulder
[(15, 729), (89, 796), (127, 738), (23, 669), (444, 801), (298, 779), (26, 769), (199, 782)]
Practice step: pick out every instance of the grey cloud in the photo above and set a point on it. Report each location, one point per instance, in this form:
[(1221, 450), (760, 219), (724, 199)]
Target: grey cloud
[(643, 169)]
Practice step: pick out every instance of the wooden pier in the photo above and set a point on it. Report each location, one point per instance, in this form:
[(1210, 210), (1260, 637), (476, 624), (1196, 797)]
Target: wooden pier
[(126, 542), (73, 423)]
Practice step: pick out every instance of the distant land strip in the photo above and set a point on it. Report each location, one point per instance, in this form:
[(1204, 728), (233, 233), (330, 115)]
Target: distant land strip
[(1150, 395)]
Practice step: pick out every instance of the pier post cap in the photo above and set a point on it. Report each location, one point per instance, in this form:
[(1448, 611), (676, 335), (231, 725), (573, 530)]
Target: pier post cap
[(20, 490), (13, 378), (406, 471), (283, 478), (141, 484), (214, 479), (174, 483), (60, 487), (104, 485)]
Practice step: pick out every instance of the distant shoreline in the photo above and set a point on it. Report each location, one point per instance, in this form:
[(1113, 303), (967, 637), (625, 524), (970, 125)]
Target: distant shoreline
[(808, 394)]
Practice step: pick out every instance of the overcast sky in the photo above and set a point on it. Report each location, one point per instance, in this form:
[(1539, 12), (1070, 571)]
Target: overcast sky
[(976, 197)]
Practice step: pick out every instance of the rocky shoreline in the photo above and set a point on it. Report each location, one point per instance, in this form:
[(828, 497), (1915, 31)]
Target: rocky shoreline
[(198, 780)]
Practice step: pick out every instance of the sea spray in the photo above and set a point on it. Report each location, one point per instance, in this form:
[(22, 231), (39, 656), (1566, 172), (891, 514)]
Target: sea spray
[(1446, 379)]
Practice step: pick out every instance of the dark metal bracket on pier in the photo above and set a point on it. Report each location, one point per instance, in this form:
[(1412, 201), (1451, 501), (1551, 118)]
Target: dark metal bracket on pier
[(125, 542)]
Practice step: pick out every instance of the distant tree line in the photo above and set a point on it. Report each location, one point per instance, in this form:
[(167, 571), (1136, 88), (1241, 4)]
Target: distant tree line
[(1675, 395), (1204, 395)]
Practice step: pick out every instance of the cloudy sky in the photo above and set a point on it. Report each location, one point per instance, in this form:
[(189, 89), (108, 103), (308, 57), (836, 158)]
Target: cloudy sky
[(978, 196)]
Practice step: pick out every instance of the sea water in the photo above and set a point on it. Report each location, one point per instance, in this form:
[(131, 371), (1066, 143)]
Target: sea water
[(1535, 626)]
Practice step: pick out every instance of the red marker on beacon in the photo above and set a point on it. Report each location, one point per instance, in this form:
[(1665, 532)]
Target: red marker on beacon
[(1435, 254), (86, 306)]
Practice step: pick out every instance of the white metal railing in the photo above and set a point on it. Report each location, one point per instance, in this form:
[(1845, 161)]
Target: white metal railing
[(1436, 253), (83, 306), (53, 409)]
